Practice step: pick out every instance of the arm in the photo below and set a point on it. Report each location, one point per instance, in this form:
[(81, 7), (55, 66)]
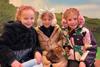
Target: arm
[(38, 50), (87, 39), (62, 39), (37, 44), (6, 41), (87, 44)]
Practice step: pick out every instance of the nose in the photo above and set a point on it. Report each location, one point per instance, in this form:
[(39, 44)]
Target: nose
[(47, 20), (72, 21)]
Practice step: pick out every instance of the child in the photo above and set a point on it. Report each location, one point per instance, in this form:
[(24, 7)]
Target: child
[(48, 33), (19, 42), (82, 52)]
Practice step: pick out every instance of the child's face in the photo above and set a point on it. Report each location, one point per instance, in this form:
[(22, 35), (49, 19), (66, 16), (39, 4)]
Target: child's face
[(27, 18), (72, 21), (46, 20)]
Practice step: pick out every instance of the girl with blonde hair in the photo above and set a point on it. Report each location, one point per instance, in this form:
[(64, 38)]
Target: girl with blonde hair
[(82, 51), (19, 41), (48, 33)]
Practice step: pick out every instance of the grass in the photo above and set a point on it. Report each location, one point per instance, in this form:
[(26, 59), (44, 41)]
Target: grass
[(98, 53)]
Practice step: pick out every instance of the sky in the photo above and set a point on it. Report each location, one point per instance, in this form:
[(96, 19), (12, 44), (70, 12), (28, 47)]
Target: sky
[(89, 8)]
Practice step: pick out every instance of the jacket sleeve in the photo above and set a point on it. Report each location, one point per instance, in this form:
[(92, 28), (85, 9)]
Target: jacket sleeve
[(6, 40), (38, 48), (62, 39)]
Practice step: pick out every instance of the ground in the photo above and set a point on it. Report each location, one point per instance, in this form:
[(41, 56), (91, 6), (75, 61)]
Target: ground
[(97, 63)]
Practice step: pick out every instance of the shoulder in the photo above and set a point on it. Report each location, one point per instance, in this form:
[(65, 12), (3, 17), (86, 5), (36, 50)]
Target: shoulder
[(57, 27), (37, 28), (11, 24), (9, 29), (84, 29), (34, 29)]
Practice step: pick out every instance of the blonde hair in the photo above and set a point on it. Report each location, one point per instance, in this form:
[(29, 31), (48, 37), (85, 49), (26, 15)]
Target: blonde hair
[(21, 9), (70, 11), (51, 15)]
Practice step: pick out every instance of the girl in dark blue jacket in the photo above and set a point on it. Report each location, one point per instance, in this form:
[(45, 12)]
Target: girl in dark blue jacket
[(19, 41)]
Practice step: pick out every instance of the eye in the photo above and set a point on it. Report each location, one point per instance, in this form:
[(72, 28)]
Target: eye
[(32, 18), (44, 19), (49, 19), (75, 18), (69, 19), (26, 18)]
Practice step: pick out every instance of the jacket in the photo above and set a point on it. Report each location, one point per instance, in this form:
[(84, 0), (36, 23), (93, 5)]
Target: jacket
[(18, 42), (46, 42)]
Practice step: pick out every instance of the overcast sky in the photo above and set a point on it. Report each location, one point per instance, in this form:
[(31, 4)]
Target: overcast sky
[(90, 8)]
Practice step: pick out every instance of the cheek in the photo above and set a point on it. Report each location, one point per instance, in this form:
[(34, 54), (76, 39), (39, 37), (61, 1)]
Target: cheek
[(73, 22), (76, 22), (69, 22), (43, 21), (33, 20), (22, 21), (46, 22)]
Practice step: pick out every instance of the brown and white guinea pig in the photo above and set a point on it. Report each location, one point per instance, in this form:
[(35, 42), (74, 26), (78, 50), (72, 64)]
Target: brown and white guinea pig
[(56, 56)]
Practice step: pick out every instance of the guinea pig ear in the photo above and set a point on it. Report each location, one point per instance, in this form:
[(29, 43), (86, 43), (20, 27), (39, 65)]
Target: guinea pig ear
[(49, 54)]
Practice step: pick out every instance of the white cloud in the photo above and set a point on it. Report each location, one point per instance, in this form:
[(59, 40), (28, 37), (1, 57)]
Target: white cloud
[(15, 2), (35, 3), (89, 9)]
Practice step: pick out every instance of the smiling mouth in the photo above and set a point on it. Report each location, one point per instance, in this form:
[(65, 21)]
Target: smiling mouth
[(72, 25)]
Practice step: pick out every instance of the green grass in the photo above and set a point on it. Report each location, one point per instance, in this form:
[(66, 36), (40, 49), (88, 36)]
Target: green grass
[(98, 53)]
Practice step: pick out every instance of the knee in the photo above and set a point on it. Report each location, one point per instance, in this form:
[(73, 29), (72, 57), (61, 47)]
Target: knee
[(82, 64)]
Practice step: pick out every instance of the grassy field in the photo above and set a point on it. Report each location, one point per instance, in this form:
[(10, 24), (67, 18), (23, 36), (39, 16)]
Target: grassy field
[(98, 53)]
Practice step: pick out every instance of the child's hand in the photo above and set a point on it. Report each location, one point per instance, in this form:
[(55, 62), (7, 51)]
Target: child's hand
[(15, 63), (83, 49), (88, 46), (38, 57), (67, 51), (83, 57)]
